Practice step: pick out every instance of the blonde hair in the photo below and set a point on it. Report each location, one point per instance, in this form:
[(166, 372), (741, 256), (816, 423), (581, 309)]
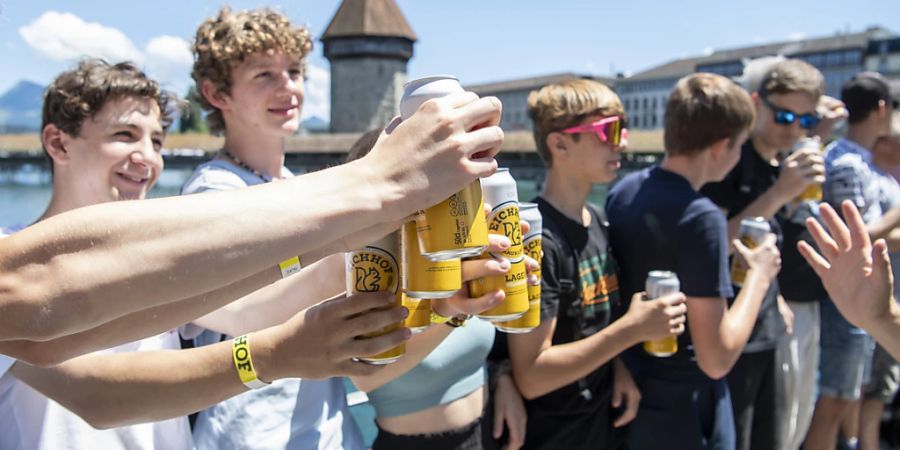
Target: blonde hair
[(704, 108), (556, 107), (223, 42)]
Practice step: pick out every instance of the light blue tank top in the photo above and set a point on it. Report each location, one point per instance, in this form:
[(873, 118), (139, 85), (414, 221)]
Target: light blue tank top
[(451, 371)]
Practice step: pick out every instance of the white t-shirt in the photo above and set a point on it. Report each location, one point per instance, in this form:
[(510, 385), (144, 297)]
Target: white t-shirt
[(289, 414), (31, 421)]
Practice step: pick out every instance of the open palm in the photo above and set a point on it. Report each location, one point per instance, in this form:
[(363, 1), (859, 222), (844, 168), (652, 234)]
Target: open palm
[(856, 273)]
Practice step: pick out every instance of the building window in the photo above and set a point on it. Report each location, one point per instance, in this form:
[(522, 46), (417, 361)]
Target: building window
[(653, 121), (637, 122), (654, 103), (645, 102)]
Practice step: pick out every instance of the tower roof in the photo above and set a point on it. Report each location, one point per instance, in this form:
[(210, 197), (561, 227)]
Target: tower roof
[(356, 18)]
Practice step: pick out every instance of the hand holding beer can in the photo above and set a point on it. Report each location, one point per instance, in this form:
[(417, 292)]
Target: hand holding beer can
[(660, 283), (454, 228), (532, 245), (752, 232), (813, 192), (375, 268), (423, 278), (500, 192)]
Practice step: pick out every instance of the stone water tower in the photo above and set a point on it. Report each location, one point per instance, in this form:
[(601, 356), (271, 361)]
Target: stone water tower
[(368, 43)]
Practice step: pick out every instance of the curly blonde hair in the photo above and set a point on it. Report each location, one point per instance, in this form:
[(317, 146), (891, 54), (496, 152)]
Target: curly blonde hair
[(223, 42)]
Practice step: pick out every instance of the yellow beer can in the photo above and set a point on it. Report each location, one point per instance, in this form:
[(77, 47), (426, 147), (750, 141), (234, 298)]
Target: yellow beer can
[(660, 283), (751, 233), (419, 313), (813, 192), (376, 268), (532, 245), (423, 278), (455, 227), (500, 192)]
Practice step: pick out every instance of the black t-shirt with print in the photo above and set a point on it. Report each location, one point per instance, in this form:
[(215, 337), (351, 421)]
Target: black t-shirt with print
[(750, 179), (578, 286)]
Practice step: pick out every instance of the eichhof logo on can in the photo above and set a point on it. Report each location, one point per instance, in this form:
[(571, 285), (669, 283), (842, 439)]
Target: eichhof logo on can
[(375, 268), (500, 192), (532, 247)]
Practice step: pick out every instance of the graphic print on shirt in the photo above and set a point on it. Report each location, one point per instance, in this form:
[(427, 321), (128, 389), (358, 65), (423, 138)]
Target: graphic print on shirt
[(599, 288)]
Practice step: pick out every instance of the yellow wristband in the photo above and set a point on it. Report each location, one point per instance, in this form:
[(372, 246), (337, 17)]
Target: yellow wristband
[(290, 266), (240, 351)]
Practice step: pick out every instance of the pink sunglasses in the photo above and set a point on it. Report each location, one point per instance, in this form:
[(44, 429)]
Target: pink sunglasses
[(608, 129)]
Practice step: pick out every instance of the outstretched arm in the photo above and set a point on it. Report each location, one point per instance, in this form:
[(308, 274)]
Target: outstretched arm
[(105, 389), (856, 273), (80, 269)]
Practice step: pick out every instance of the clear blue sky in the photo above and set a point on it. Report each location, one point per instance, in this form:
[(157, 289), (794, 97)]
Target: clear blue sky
[(479, 41)]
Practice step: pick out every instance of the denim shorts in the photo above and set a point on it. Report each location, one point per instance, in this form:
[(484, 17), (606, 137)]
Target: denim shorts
[(846, 351)]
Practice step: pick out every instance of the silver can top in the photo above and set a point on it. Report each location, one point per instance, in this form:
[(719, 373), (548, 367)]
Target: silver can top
[(661, 282), (530, 213), (755, 225), (421, 90)]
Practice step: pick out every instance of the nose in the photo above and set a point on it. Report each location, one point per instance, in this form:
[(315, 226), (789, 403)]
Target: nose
[(146, 158)]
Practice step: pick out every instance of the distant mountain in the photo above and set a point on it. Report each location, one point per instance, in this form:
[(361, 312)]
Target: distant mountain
[(314, 124), (20, 108)]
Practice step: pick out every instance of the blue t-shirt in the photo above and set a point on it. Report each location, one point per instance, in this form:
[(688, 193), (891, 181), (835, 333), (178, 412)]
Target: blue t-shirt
[(659, 222), (288, 414)]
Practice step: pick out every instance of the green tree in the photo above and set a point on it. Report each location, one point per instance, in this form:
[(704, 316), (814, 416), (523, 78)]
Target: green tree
[(192, 120)]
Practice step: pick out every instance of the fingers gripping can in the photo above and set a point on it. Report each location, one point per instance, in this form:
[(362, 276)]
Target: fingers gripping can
[(455, 227), (752, 232), (660, 283), (419, 317), (813, 192), (500, 192), (423, 278), (532, 246), (376, 268)]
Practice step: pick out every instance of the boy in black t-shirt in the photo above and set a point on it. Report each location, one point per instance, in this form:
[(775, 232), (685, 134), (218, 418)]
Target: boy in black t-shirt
[(658, 221), (563, 367), (762, 185)]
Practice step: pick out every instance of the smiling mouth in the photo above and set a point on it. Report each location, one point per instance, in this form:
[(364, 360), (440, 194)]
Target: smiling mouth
[(282, 111), (134, 178)]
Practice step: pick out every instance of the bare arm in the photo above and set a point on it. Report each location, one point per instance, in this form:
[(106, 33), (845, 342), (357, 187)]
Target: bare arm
[(86, 267), (539, 367), (720, 333), (134, 326), (105, 389), (271, 304), (885, 227)]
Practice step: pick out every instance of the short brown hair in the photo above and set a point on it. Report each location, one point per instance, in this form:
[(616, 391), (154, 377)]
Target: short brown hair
[(80, 93), (793, 76), (364, 144), (223, 42), (704, 108), (558, 106)]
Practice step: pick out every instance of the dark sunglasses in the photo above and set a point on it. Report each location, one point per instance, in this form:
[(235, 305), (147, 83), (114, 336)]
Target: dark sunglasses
[(783, 116)]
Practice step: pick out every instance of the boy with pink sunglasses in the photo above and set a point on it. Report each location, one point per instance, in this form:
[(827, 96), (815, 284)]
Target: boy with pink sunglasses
[(566, 368)]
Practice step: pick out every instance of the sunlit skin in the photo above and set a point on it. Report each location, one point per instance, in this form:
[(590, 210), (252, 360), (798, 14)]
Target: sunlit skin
[(115, 155), (590, 158)]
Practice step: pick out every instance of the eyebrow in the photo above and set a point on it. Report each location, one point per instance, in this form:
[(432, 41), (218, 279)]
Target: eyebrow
[(132, 126)]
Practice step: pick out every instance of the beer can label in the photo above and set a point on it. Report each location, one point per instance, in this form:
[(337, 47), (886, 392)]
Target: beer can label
[(455, 223), (373, 269), (423, 275), (505, 221), (514, 283), (419, 313)]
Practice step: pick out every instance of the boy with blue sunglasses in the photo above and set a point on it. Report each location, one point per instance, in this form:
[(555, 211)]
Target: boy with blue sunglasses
[(785, 93)]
